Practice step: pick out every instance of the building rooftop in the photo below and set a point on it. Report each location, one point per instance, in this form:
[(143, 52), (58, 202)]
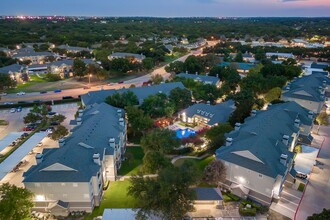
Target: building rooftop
[(201, 78), (73, 162), (70, 48), (14, 68), (257, 145), (141, 92), (215, 113), (242, 66), (318, 66), (124, 55), (307, 87), (209, 194)]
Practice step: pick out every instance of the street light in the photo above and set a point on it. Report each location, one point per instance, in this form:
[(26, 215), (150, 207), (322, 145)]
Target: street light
[(89, 79)]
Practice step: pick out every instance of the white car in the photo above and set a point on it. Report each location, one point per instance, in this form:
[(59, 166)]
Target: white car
[(21, 93), (13, 110)]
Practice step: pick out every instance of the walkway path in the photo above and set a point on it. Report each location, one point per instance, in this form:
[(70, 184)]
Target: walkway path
[(317, 192), (188, 157)]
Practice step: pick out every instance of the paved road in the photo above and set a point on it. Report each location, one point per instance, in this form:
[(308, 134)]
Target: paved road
[(76, 92), (317, 194)]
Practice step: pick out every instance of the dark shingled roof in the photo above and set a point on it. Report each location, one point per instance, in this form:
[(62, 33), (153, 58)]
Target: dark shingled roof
[(258, 145), (215, 113), (208, 194), (306, 87), (318, 66), (15, 68), (75, 158), (141, 92), (201, 78)]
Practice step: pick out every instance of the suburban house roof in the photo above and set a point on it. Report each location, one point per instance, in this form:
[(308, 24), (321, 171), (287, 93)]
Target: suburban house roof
[(287, 55), (67, 47), (257, 145), (242, 66), (318, 66), (14, 68), (247, 55), (141, 92), (215, 113), (32, 54), (208, 194), (124, 55), (307, 87), (69, 62), (73, 162), (201, 78)]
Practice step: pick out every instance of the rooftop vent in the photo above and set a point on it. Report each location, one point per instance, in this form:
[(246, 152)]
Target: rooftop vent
[(112, 142), (80, 113), (79, 121), (121, 122), (283, 159), (61, 142), (237, 126), (229, 141), (310, 114), (39, 158), (253, 113), (96, 158), (297, 123), (285, 139)]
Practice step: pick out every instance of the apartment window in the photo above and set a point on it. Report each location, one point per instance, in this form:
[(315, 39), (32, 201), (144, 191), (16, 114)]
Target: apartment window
[(260, 175), (62, 184), (37, 184), (75, 184)]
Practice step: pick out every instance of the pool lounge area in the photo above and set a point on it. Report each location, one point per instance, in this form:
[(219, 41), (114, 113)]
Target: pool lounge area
[(184, 133)]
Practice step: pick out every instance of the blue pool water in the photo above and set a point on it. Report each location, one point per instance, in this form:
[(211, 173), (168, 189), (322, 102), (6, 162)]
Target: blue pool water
[(184, 133)]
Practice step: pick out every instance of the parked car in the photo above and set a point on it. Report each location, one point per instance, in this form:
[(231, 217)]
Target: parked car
[(39, 144), (12, 110), (54, 123), (57, 90), (120, 82), (86, 87), (19, 109), (51, 113), (21, 93), (24, 135), (8, 103), (301, 175), (67, 97), (43, 92), (3, 94)]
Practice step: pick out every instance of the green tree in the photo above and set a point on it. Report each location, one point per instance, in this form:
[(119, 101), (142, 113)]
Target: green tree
[(162, 140), (157, 78), (148, 63), (273, 94), (122, 65), (79, 68), (138, 121), (168, 196), (158, 105), (31, 118), (192, 65), (322, 119), (6, 82), (180, 97), (154, 161), (58, 118), (325, 214), (123, 100), (239, 57), (59, 132), (15, 203), (215, 173), (175, 67)]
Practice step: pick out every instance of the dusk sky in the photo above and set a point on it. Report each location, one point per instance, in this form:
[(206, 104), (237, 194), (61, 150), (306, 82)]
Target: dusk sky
[(168, 8)]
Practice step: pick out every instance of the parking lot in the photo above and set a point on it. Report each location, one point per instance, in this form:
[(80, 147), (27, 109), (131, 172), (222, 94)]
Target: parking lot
[(16, 124)]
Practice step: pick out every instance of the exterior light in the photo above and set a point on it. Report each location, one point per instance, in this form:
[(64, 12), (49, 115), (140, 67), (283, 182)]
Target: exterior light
[(40, 197)]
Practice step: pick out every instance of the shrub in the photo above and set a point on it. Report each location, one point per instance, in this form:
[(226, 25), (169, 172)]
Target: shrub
[(247, 211), (53, 77), (301, 187)]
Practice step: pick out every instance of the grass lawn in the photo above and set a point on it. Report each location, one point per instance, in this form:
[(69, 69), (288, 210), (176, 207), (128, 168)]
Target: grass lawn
[(133, 163), (3, 122), (174, 56), (201, 164), (114, 197)]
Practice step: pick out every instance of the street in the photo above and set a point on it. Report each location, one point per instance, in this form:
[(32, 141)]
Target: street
[(317, 192), (51, 95)]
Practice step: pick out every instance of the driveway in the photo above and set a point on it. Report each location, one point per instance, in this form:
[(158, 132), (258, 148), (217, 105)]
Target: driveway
[(317, 192), (288, 203)]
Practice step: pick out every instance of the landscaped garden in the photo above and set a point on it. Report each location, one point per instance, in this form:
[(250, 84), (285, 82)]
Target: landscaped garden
[(201, 163), (114, 197), (133, 163)]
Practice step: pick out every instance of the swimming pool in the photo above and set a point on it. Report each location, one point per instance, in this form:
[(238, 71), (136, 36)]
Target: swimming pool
[(184, 133)]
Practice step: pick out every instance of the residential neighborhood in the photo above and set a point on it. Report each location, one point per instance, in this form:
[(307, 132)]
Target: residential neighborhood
[(164, 118)]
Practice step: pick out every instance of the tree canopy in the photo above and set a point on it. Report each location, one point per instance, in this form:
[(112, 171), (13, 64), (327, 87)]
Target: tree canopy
[(122, 100), (15, 202)]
